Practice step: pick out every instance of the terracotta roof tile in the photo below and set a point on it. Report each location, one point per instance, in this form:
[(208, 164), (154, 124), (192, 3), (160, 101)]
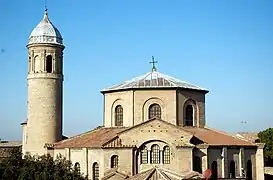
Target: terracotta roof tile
[(215, 137), (10, 143), (108, 137), (143, 175), (250, 136), (93, 138)]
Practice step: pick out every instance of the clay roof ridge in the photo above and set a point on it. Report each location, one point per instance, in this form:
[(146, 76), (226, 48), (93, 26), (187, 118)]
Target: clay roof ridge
[(162, 173), (151, 171), (224, 133), (172, 173), (79, 135)]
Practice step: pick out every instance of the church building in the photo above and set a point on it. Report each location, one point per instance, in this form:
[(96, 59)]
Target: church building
[(154, 125)]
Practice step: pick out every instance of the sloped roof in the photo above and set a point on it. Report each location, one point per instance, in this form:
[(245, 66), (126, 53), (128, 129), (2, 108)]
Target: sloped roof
[(102, 136), (156, 173), (114, 174), (93, 138), (153, 79), (10, 143), (162, 173), (214, 137), (250, 136)]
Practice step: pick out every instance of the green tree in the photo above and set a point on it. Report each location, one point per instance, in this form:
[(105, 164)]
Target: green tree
[(266, 137), (37, 168)]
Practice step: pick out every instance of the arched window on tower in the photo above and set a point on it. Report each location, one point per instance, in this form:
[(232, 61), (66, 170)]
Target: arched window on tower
[(166, 155), (114, 161), (188, 121), (96, 171), (232, 169), (29, 64), (49, 64), (144, 155), (154, 111), (155, 154), (36, 64), (118, 115)]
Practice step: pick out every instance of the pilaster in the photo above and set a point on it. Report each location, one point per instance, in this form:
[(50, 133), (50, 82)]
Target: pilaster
[(85, 161), (67, 153), (224, 163), (241, 162), (161, 157), (259, 162)]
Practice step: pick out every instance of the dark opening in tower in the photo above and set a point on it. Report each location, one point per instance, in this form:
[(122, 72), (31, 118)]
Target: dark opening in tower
[(49, 64)]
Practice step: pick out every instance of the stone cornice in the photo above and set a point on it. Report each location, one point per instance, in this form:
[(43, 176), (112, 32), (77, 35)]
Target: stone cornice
[(260, 145), (202, 146)]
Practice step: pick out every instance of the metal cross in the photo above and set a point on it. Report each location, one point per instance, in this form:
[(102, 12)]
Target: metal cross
[(153, 62), (46, 5)]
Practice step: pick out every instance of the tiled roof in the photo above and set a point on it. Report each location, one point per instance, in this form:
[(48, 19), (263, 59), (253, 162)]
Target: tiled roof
[(94, 138), (114, 174), (161, 173), (250, 136), (143, 175), (214, 137), (10, 143), (109, 137), (153, 79)]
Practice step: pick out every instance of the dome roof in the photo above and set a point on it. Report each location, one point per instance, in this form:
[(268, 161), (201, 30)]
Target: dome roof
[(45, 32), (153, 79)]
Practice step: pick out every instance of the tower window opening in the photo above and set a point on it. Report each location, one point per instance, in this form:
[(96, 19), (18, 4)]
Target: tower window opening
[(189, 116), (49, 64)]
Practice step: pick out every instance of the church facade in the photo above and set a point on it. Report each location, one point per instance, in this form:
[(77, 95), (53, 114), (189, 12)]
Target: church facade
[(154, 125)]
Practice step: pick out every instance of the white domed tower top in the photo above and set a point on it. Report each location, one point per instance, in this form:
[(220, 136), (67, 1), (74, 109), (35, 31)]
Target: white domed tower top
[(45, 33)]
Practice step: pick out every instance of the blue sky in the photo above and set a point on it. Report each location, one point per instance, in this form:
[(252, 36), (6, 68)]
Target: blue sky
[(225, 46)]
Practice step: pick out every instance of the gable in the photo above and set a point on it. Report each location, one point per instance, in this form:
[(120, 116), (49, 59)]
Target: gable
[(155, 130)]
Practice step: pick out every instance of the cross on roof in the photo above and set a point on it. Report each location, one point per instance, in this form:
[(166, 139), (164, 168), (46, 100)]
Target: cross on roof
[(46, 5), (153, 62)]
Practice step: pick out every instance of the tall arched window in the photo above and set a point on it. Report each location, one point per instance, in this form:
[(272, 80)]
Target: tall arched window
[(77, 167), (49, 64), (155, 154), (166, 155), (232, 169), (214, 170), (189, 115), (154, 111), (96, 171), (118, 115), (36, 64), (114, 161), (249, 170), (29, 64), (197, 164), (144, 155)]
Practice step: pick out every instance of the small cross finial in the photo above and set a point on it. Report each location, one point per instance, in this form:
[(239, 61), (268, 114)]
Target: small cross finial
[(46, 6), (153, 62)]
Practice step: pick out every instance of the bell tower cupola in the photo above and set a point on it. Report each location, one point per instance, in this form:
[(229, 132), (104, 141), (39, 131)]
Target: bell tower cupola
[(45, 87)]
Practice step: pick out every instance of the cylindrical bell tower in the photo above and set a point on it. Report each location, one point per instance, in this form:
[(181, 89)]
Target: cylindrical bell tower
[(45, 88)]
